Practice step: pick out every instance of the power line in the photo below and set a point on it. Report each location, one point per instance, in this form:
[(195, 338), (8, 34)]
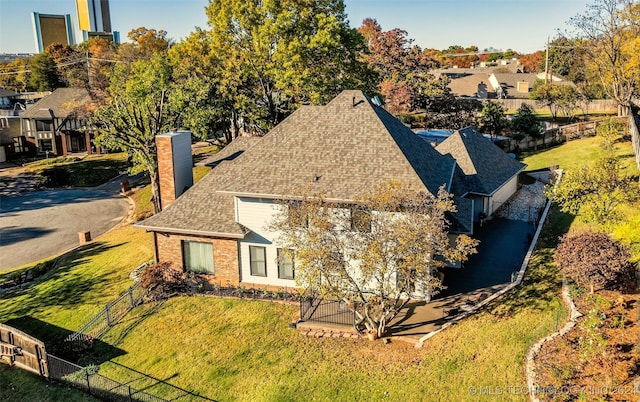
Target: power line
[(58, 65)]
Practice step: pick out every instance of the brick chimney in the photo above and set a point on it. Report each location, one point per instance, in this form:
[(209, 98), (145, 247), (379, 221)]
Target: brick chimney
[(175, 165)]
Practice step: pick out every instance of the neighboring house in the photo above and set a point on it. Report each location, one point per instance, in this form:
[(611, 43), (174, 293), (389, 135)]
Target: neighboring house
[(6, 98), (512, 85), (51, 124), (219, 226), (12, 144), (485, 173)]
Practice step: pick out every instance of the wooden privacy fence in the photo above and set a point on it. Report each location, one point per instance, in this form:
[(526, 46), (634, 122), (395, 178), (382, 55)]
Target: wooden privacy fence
[(109, 315), (22, 350)]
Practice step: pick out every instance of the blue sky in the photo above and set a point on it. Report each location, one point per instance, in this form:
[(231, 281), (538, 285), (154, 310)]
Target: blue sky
[(522, 25)]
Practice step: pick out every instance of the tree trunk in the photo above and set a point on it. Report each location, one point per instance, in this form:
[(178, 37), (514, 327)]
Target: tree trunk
[(155, 192)]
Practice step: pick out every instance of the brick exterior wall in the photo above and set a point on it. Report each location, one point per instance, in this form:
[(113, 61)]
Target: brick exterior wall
[(165, 170), (225, 256)]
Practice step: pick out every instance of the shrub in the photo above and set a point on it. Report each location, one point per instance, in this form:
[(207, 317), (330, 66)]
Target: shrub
[(594, 261), (56, 177), (162, 281)]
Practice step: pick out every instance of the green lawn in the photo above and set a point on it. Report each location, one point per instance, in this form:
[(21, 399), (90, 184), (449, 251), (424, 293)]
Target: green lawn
[(90, 171), (583, 151), (17, 385), (84, 281), (244, 350), (573, 153)]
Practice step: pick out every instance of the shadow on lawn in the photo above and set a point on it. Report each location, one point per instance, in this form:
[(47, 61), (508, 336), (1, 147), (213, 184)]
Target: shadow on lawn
[(59, 287), (54, 336), (156, 386)]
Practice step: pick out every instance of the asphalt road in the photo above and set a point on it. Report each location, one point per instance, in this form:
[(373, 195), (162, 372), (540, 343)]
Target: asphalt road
[(39, 224)]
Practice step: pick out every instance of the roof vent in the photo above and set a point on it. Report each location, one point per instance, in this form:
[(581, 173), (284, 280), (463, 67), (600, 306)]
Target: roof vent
[(316, 178)]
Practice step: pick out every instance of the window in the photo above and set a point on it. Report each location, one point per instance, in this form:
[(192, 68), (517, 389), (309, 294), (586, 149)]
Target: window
[(42, 125), (360, 219), (258, 260), (45, 145), (285, 265), (198, 257)]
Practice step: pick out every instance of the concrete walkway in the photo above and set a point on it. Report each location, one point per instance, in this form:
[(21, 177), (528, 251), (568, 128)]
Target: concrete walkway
[(503, 245)]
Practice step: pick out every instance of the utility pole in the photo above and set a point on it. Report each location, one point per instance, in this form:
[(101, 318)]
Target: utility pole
[(546, 63), (89, 70)]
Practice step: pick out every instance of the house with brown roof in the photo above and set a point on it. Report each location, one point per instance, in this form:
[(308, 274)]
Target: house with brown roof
[(53, 126), (220, 226)]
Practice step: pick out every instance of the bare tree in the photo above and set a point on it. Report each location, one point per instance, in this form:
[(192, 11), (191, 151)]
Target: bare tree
[(612, 28)]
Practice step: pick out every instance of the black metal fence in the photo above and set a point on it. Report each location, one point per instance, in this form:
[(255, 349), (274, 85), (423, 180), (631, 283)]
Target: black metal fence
[(333, 312), (88, 380), (109, 315)]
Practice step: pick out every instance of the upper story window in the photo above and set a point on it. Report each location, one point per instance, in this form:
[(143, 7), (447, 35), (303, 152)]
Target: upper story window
[(43, 125), (198, 257), (360, 219)]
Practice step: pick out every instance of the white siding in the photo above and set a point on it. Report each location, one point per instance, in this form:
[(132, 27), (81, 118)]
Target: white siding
[(503, 194), (256, 214)]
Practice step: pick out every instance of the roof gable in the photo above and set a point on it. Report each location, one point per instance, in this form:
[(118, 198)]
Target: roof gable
[(484, 165), (62, 101), (340, 150)]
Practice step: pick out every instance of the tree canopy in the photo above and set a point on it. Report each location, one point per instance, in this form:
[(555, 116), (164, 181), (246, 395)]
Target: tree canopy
[(270, 57), (376, 253), (596, 191), (136, 111), (594, 261), (612, 31)]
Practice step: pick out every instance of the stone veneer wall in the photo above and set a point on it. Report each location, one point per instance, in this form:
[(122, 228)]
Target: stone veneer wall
[(225, 256)]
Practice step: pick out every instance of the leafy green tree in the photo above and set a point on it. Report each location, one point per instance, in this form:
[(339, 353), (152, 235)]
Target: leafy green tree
[(594, 261), (275, 55), (205, 110), (138, 110), (525, 124), (596, 191), (44, 74), (492, 119), (375, 253), (610, 131)]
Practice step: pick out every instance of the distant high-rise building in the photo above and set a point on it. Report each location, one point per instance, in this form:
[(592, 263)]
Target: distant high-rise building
[(93, 15), (94, 20), (50, 28)]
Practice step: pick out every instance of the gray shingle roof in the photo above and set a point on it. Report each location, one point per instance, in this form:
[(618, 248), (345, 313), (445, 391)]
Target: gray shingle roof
[(63, 101), (341, 151), (230, 151), (200, 210), (483, 166)]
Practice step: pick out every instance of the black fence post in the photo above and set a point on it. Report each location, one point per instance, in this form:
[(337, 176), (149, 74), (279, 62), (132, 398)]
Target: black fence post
[(106, 308), (86, 372), (131, 296), (130, 398)]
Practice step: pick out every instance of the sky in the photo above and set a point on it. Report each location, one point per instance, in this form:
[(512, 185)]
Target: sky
[(521, 25)]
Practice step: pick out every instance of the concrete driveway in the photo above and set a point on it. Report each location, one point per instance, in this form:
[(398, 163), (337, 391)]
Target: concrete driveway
[(39, 224)]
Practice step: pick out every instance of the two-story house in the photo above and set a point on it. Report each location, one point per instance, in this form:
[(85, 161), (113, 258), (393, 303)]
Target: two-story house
[(220, 226), (53, 126)]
